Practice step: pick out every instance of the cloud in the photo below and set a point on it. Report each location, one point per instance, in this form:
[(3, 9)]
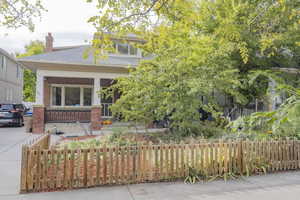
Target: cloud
[(67, 20)]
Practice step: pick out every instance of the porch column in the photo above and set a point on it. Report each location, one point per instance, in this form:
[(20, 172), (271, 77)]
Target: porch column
[(96, 95), (272, 95), (39, 95)]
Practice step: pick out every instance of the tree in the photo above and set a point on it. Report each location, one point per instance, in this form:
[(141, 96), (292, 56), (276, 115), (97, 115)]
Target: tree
[(201, 48), (18, 13), (33, 48)]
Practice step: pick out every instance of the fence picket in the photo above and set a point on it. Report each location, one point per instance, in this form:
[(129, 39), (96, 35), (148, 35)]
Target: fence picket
[(72, 161), (183, 173), (122, 167), (156, 165), (128, 169), (110, 166), (172, 161)]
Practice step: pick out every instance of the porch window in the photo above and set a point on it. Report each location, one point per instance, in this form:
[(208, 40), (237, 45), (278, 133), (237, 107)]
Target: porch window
[(87, 96), (62, 95), (56, 96), (72, 96), (106, 102)]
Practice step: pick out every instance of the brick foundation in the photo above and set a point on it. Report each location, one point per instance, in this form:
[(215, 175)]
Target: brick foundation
[(96, 118), (38, 119)]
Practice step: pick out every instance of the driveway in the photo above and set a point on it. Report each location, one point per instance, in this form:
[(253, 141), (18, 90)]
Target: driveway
[(271, 187), (10, 155)]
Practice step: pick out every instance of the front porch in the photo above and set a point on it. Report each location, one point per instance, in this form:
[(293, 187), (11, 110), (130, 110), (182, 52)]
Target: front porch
[(69, 100), (70, 97)]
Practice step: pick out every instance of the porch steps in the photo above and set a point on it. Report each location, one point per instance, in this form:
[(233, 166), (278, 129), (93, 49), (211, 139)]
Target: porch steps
[(68, 128)]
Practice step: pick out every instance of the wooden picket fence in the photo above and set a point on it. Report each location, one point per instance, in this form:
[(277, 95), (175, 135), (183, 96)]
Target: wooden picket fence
[(42, 141), (60, 169)]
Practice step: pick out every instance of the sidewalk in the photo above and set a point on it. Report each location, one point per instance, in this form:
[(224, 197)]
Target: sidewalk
[(271, 187)]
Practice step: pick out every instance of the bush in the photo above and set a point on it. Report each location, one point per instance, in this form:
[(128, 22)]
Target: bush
[(283, 122)]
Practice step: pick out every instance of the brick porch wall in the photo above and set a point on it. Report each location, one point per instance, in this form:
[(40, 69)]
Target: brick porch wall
[(96, 118), (38, 119)]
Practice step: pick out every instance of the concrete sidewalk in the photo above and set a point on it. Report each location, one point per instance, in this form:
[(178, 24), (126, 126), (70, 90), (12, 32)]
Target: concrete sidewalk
[(271, 187), (10, 156)]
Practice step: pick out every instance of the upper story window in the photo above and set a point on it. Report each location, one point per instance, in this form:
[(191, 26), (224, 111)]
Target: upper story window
[(125, 49), (2, 64), (18, 71)]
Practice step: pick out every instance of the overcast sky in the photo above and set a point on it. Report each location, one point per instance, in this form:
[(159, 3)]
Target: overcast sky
[(65, 19)]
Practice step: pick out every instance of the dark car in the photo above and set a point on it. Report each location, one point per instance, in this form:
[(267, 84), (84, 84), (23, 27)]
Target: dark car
[(12, 114)]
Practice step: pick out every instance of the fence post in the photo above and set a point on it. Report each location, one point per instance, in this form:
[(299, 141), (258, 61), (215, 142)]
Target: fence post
[(24, 166)]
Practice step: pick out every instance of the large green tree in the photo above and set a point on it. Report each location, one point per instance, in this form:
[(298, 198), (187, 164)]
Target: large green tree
[(33, 48), (18, 13), (199, 48)]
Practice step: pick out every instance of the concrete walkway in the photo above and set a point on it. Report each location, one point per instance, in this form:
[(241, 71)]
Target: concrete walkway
[(10, 155), (271, 187)]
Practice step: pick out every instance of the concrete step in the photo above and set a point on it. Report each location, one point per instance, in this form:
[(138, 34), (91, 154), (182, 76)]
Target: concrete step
[(66, 127)]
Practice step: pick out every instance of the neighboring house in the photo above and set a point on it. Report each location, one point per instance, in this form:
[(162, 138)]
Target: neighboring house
[(68, 85), (11, 79)]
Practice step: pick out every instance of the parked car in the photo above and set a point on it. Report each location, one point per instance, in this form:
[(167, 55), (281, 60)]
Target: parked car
[(12, 114)]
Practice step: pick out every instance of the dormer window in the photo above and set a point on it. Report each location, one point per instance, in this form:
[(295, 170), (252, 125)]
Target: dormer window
[(125, 49)]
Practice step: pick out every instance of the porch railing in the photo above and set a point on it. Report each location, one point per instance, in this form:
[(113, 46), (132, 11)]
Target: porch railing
[(106, 112), (63, 116)]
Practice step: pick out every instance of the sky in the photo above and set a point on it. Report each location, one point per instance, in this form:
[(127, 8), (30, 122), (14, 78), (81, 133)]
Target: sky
[(65, 19)]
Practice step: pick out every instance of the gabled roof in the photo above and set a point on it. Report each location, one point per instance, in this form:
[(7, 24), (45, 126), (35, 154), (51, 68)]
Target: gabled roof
[(12, 58), (75, 55), (3, 52)]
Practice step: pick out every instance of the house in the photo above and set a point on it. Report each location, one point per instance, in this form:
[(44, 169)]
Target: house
[(11, 79), (68, 84)]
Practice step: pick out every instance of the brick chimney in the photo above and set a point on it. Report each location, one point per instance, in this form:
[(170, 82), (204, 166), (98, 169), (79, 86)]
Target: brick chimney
[(49, 43)]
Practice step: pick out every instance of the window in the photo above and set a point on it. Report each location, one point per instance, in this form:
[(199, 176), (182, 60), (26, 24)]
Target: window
[(2, 64), (132, 50), (87, 96), (125, 49), (56, 96), (6, 107), (72, 96), (18, 71)]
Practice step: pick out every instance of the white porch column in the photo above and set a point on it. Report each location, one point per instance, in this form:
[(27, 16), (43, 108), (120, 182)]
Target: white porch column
[(39, 95), (272, 95), (96, 95)]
